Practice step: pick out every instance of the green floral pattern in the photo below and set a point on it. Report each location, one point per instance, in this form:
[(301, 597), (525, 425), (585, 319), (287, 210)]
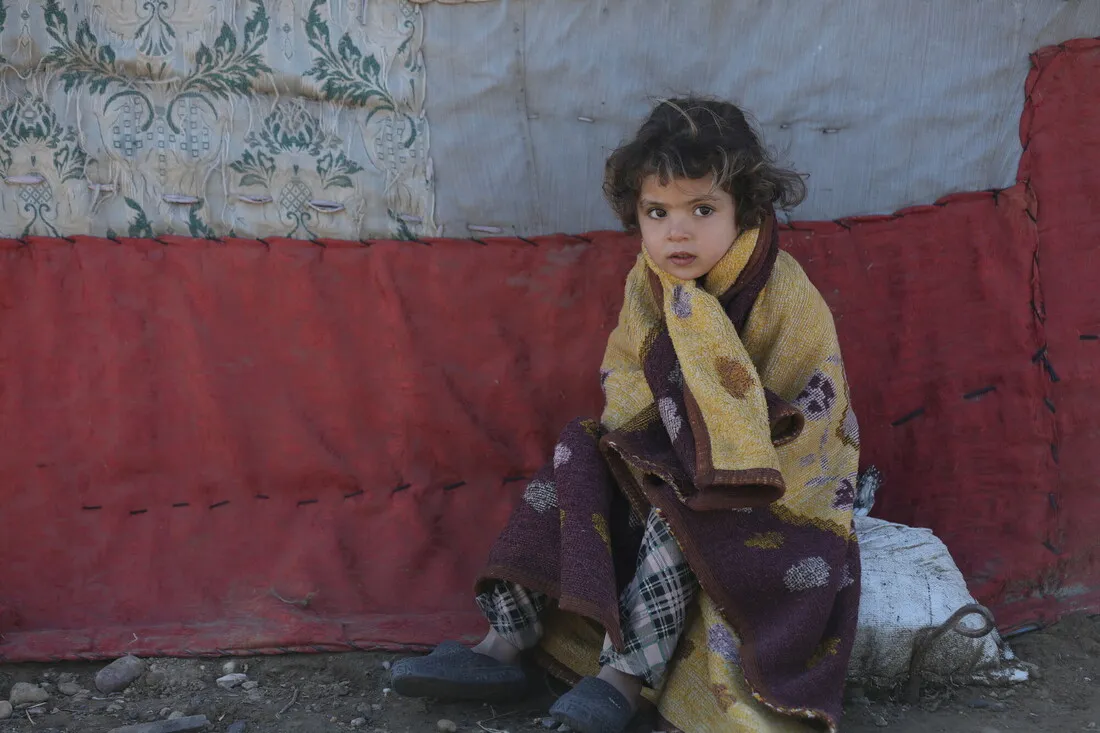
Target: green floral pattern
[(206, 118)]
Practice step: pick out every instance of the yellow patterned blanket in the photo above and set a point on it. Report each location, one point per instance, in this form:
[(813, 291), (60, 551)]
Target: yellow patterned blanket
[(728, 411)]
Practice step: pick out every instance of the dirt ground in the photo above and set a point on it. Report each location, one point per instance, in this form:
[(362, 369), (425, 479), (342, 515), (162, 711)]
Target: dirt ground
[(338, 692)]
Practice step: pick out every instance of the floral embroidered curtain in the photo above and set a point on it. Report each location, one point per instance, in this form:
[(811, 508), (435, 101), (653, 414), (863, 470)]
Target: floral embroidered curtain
[(259, 118)]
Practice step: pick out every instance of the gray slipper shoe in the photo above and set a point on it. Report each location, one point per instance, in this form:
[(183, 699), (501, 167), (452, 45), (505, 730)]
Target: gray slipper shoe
[(454, 672), (593, 706)]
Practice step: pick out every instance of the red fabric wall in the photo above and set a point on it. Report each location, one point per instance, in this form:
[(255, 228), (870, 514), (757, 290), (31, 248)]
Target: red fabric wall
[(215, 447)]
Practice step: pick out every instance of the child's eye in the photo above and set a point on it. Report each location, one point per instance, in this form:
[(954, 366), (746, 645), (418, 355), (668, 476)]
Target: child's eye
[(703, 210), (657, 214)]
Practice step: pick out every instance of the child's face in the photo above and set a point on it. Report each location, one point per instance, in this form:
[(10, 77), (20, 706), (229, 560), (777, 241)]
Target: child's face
[(687, 225)]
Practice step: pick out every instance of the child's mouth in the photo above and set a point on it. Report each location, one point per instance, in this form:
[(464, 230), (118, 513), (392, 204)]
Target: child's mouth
[(681, 258)]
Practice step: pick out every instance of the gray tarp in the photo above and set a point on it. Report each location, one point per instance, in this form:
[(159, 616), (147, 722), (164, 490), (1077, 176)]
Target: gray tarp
[(884, 104)]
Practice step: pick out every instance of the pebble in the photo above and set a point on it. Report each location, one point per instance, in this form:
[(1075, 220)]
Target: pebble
[(237, 727), (165, 712), (5, 709), (564, 729), (880, 721), (376, 707), (114, 708), (155, 679), (1091, 726), (386, 665), (358, 722), (982, 703), (69, 688), (24, 693), (119, 674), (446, 726), (231, 667), (549, 723), (250, 685), (175, 715), (230, 681)]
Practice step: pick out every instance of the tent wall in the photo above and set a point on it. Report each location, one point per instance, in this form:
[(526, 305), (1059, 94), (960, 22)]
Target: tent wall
[(231, 446)]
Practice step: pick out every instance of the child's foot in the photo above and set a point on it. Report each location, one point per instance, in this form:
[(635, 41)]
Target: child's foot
[(596, 705), (628, 685), (496, 646), (454, 672)]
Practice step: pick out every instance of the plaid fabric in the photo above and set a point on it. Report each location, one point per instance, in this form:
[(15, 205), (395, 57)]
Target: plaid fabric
[(654, 607), (514, 612)]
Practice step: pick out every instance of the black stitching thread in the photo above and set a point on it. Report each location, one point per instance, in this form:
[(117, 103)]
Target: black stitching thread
[(181, 504), (264, 242), (116, 240), (979, 392), (421, 241), (92, 508), (401, 487), (513, 479), (303, 502), (318, 242), (842, 225), (70, 240), (531, 242), (1089, 337), (137, 511), (586, 240), (1041, 357), (220, 503), (1054, 452), (906, 418), (354, 493), (996, 193), (1047, 544), (1050, 405), (452, 487), (365, 242), (482, 242), (262, 496), (161, 242), (1052, 500)]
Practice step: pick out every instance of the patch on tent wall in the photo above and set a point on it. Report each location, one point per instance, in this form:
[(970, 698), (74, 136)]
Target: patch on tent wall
[(211, 119)]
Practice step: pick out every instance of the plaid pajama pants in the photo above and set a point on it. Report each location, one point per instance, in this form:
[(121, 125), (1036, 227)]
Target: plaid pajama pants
[(653, 608)]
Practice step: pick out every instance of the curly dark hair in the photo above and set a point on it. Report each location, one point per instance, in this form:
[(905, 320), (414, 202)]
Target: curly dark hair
[(696, 138)]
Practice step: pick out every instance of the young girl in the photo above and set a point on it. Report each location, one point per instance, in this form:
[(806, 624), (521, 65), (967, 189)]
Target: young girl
[(693, 549)]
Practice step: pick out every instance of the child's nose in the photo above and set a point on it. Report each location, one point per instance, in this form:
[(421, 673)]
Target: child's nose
[(679, 230)]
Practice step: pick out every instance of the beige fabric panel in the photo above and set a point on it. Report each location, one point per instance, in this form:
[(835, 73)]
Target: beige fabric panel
[(298, 118), (884, 104)]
